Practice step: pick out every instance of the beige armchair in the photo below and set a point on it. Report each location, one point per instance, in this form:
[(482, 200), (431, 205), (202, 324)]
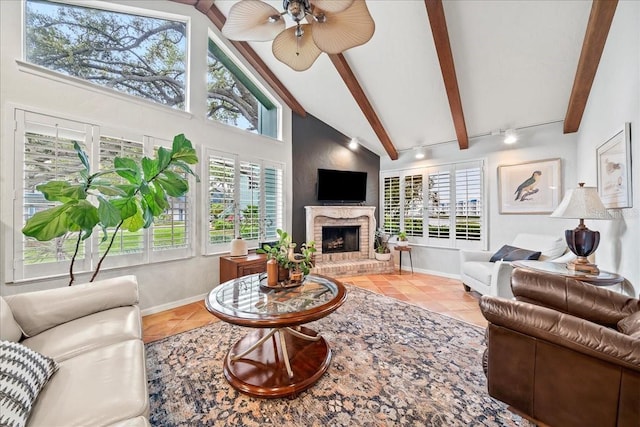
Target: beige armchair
[(494, 278)]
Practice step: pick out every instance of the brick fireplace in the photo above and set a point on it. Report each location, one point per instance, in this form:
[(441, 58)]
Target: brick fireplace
[(326, 225)]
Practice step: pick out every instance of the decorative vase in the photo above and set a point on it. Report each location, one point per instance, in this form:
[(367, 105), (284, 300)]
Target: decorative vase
[(382, 257), (239, 247), (283, 273), (272, 272)]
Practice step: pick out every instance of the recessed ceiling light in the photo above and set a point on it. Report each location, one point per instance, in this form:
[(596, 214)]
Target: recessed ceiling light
[(420, 154), (353, 144)]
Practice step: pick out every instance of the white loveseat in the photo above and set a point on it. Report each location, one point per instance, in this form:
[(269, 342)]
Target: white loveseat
[(494, 278), (94, 333)]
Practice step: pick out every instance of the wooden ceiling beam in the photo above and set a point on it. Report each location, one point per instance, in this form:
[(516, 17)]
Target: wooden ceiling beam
[(218, 19), (435, 12), (600, 19), (340, 62)]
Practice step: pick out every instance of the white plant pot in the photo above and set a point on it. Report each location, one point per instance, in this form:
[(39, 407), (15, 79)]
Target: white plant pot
[(402, 243), (382, 257)]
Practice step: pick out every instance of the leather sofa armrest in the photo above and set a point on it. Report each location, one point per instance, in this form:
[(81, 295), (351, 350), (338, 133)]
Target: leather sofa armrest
[(572, 296), (482, 256), (38, 311), (564, 330)]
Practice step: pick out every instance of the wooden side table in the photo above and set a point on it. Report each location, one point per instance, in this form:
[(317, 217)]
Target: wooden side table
[(234, 267), (604, 278), (404, 249)]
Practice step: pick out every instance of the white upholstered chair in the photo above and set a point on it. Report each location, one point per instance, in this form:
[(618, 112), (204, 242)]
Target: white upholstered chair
[(494, 278)]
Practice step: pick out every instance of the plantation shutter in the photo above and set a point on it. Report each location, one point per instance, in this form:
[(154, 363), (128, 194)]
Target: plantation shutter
[(413, 205), (248, 215), (273, 201), (469, 218), (45, 151), (439, 204), (391, 204), (221, 200), (125, 243), (172, 232)]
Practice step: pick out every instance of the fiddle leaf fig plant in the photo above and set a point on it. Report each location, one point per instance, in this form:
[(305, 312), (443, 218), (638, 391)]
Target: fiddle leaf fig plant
[(129, 196)]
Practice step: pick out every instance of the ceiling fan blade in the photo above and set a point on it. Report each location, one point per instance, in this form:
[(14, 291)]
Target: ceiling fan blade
[(249, 21), (332, 5), (299, 53), (344, 30)]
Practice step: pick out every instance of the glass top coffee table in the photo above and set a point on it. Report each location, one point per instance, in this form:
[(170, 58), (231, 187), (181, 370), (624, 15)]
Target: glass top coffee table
[(280, 357)]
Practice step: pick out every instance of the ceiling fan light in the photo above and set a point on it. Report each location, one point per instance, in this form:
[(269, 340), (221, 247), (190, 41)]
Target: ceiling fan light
[(341, 31), (253, 20), (332, 5), (299, 53)]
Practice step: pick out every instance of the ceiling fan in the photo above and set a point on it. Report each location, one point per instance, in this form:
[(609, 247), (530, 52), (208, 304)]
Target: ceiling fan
[(330, 26)]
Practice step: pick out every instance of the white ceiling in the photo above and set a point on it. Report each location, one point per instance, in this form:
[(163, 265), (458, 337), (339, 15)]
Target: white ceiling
[(515, 63)]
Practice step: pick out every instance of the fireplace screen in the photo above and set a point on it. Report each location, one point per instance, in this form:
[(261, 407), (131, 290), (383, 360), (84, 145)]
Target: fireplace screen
[(340, 239)]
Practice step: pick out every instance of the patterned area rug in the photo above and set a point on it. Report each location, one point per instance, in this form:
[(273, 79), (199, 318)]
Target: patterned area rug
[(393, 364)]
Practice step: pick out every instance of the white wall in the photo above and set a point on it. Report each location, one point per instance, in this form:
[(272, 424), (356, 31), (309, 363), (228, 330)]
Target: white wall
[(535, 143), (159, 283), (614, 100)]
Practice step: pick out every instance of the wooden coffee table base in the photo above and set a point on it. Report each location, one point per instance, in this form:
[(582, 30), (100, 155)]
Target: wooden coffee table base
[(262, 372)]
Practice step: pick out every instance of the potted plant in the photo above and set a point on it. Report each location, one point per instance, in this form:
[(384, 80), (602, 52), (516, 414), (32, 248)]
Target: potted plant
[(402, 239), (382, 252), (292, 266), (129, 197)]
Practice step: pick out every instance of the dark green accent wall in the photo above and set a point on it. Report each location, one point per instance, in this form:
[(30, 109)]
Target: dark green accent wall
[(316, 145)]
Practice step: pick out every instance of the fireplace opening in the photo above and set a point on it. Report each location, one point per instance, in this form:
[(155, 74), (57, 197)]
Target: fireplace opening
[(340, 239)]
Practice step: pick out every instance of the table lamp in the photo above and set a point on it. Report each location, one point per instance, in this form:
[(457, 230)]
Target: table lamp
[(582, 203)]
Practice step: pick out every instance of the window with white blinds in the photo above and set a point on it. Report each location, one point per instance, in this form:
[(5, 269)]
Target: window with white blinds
[(391, 204), (172, 232), (413, 205), (124, 242), (447, 200), (245, 199), (44, 149)]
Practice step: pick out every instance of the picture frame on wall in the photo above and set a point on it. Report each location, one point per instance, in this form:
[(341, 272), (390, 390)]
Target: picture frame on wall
[(614, 170), (530, 188)]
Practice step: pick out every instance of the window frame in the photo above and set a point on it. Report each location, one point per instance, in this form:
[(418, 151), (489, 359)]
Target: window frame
[(28, 66), (210, 248), (93, 134), (451, 241), (253, 85)]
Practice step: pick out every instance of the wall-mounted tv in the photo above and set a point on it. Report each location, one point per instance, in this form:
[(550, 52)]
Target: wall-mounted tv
[(341, 186)]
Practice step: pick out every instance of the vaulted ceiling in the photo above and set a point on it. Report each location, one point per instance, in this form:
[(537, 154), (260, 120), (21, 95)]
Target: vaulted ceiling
[(440, 71)]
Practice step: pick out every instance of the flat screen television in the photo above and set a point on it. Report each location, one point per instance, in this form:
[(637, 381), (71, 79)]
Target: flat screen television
[(341, 186)]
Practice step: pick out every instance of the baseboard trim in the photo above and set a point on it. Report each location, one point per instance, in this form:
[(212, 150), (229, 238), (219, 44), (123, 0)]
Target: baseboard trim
[(172, 305), (431, 272)]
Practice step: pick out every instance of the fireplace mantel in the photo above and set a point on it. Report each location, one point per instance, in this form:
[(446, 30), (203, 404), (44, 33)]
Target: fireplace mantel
[(342, 212)]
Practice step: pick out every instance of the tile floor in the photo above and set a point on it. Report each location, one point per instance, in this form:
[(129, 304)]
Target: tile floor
[(434, 293)]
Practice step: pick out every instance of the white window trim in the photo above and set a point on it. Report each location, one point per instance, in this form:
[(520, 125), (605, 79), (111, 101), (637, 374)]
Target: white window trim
[(40, 71), (209, 248), (17, 271), (450, 242)]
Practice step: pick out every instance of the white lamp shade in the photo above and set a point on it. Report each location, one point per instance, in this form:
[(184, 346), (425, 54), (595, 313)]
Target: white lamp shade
[(582, 203)]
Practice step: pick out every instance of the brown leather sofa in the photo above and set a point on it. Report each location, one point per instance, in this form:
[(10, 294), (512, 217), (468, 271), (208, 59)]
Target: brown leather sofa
[(564, 353)]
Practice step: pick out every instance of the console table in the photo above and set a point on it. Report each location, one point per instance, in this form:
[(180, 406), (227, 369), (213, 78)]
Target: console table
[(280, 357), (604, 278)]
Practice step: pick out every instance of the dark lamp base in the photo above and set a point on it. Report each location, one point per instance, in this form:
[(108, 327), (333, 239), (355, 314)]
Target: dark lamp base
[(583, 265)]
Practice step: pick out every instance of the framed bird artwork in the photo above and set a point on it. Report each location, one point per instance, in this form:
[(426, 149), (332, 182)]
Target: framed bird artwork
[(614, 170), (530, 188)]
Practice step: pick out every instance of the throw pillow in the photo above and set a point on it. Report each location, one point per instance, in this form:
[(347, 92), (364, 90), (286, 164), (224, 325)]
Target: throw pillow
[(630, 325), (23, 373), (511, 253)]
